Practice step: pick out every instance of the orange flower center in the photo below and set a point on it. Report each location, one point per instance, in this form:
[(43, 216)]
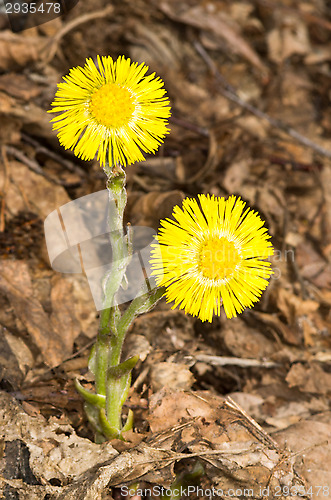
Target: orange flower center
[(112, 105), (218, 258)]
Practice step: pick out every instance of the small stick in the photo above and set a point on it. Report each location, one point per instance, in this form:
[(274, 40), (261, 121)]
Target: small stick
[(232, 404), (34, 166), (228, 92), (229, 360), (31, 164), (54, 156), (4, 189), (52, 46)]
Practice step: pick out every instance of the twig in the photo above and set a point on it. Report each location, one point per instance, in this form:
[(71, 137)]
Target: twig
[(310, 18), (31, 164), (41, 376), (230, 451), (54, 42), (189, 126), (229, 93), (211, 161), (304, 292), (229, 360), (139, 380), (261, 432), (296, 165), (4, 189), (54, 156)]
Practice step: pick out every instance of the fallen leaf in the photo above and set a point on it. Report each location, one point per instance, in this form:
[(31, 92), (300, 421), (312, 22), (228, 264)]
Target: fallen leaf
[(290, 335), (15, 282), (223, 28), (312, 379), (309, 441), (148, 209), (63, 318), (290, 37), (293, 306), (15, 359), (28, 190), (244, 341), (19, 86), (312, 265), (16, 51), (174, 375)]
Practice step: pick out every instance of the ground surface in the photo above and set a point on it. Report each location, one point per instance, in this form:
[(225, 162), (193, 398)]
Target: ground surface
[(249, 84)]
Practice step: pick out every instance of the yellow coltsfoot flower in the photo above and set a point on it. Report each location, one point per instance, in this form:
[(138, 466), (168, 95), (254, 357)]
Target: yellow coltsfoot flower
[(211, 254), (112, 109)]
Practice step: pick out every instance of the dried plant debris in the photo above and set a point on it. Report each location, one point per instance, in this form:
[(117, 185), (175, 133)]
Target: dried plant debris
[(54, 335), (42, 457)]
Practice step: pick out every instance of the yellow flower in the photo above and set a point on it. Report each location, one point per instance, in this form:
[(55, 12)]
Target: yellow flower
[(111, 108), (211, 255)]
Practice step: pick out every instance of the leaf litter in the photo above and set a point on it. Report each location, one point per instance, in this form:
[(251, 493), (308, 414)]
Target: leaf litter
[(249, 398)]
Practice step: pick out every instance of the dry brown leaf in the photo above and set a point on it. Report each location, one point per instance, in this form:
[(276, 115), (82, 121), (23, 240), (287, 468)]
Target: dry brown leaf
[(319, 54), (28, 190), (312, 378), (288, 334), (16, 51), (288, 39), (172, 327), (84, 305), (174, 375), (148, 209), (15, 282), (9, 130), (19, 50), (168, 408), (326, 181), (19, 86), (195, 101), (294, 411), (27, 114), (54, 453), (44, 396), (312, 265), (235, 450), (310, 441), (271, 200), (255, 126), (51, 451), (157, 47), (6, 103), (15, 359), (293, 307), (136, 344), (245, 342), (219, 24), (63, 318)]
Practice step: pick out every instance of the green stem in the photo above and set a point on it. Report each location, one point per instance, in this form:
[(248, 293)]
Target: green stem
[(110, 340), (113, 377)]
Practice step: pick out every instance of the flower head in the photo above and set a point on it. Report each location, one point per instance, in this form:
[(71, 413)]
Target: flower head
[(112, 109), (210, 255)]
